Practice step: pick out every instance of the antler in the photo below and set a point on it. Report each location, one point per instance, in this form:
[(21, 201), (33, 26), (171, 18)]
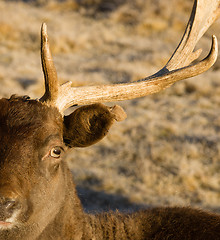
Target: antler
[(49, 70), (179, 67)]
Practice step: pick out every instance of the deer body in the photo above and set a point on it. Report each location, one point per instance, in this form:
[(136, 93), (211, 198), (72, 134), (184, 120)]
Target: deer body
[(156, 223), (38, 199)]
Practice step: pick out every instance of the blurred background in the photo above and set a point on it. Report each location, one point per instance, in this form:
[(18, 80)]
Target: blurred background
[(167, 152)]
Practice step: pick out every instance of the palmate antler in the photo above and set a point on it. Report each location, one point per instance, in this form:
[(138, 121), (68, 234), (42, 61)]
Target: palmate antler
[(179, 67)]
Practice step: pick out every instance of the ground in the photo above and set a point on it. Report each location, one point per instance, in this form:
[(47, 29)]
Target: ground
[(167, 152)]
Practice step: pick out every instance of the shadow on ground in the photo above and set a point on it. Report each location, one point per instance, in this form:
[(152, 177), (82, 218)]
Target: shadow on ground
[(99, 201), (95, 201)]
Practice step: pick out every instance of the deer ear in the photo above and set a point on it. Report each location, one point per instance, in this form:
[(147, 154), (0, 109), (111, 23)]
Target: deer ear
[(89, 124)]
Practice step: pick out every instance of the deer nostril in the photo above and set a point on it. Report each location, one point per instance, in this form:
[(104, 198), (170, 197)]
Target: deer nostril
[(10, 204), (8, 207)]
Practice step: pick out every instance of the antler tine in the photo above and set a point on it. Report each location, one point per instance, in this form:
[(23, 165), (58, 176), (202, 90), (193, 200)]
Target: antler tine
[(204, 13), (50, 75)]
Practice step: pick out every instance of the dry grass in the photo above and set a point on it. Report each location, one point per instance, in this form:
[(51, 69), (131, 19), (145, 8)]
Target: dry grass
[(167, 151)]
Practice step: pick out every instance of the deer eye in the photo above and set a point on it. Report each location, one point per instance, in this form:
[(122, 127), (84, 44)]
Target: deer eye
[(56, 152)]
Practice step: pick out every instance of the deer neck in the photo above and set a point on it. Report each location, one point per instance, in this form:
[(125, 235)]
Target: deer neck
[(112, 226), (68, 223)]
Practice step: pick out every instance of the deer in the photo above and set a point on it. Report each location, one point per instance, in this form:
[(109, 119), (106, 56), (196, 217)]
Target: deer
[(38, 198)]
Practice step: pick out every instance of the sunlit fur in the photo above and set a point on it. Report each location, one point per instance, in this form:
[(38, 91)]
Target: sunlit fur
[(49, 207)]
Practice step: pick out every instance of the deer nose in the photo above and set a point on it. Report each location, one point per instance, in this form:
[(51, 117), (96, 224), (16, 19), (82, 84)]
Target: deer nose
[(7, 207)]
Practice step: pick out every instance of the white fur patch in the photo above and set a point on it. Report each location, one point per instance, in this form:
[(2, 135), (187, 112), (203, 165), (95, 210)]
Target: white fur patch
[(11, 220)]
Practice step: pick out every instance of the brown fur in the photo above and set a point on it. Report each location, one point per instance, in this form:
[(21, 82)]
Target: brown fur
[(45, 194), (88, 124)]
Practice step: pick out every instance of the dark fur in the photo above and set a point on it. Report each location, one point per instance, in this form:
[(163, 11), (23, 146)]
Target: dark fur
[(87, 125), (43, 186)]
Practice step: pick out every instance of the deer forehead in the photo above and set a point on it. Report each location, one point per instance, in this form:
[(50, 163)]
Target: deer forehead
[(18, 113), (25, 125)]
